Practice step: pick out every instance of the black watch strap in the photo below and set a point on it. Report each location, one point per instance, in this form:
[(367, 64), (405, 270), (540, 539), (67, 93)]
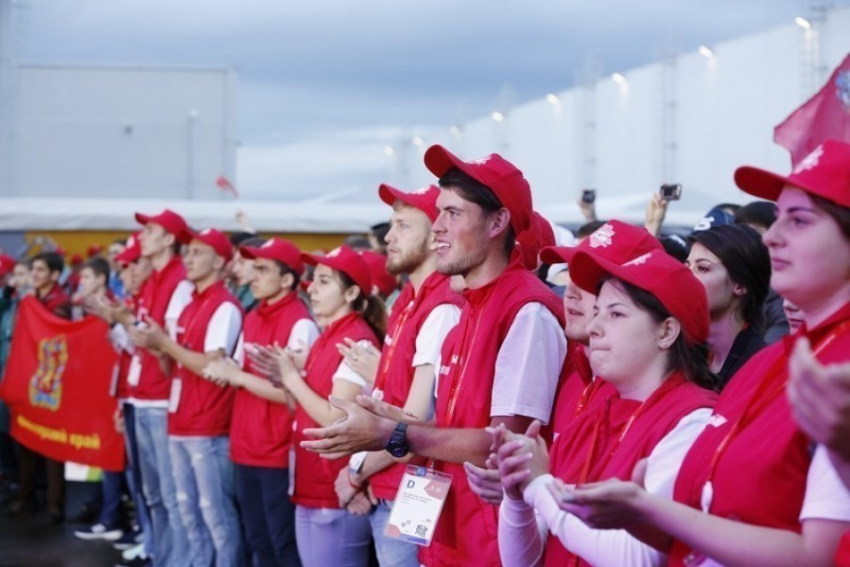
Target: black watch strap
[(397, 444)]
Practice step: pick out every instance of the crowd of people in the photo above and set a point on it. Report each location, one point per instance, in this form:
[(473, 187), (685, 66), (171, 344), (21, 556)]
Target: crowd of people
[(621, 396)]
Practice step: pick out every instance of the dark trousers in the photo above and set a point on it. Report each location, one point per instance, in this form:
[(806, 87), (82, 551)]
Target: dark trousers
[(28, 462), (268, 515)]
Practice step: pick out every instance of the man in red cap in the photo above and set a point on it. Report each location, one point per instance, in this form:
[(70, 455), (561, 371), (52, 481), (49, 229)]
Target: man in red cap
[(200, 410), (162, 299), (261, 427), (500, 364), (426, 310)]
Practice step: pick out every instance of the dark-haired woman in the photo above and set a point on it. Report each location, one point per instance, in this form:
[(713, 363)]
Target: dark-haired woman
[(733, 264), (651, 318), (751, 491), (340, 294)]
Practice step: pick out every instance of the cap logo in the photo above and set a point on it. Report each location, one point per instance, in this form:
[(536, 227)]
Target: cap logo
[(639, 260), (268, 244), (131, 241), (842, 89), (482, 160), (206, 232), (334, 253), (704, 224), (602, 237), (421, 191), (810, 160)]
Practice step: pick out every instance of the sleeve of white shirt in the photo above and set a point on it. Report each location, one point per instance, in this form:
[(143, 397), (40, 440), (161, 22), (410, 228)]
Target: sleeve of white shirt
[(344, 371), (528, 365), (303, 331), (429, 341), (224, 329), (181, 297), (120, 339), (618, 547), (826, 496), (522, 534)]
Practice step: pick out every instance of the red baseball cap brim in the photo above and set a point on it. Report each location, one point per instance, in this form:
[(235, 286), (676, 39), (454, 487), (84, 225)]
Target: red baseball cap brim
[(424, 199), (212, 238), (169, 220), (346, 260), (557, 254), (276, 249)]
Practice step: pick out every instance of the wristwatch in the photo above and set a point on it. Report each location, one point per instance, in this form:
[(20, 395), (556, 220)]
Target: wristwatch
[(397, 445)]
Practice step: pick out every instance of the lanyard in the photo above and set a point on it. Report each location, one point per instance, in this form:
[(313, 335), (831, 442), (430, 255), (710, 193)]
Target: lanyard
[(586, 395), (762, 397), (386, 358)]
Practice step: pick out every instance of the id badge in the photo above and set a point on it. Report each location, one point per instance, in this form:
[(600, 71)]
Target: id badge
[(291, 490), (417, 505), (174, 398), (135, 371)]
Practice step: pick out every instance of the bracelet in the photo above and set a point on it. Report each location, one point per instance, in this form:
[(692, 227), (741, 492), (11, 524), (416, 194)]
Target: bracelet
[(351, 483)]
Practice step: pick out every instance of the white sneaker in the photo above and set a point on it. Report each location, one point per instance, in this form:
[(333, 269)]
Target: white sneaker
[(99, 531), (133, 552)]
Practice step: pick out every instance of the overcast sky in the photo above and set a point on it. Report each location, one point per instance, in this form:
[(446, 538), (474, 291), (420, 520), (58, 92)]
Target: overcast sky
[(325, 85)]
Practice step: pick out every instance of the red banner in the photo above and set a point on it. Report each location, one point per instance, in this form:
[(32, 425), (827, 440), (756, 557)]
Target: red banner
[(57, 385), (825, 116)]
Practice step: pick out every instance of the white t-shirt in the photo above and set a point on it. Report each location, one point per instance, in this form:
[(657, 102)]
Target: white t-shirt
[(345, 372), (529, 364), (224, 329), (525, 524), (826, 496), (432, 334)]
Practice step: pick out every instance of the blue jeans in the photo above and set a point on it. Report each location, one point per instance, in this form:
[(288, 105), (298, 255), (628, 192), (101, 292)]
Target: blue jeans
[(205, 495), (328, 537), (170, 544), (391, 552), (268, 515), (110, 512), (134, 478)]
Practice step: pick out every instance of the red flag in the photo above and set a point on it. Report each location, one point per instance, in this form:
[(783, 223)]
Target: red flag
[(57, 385), (225, 185), (825, 116)]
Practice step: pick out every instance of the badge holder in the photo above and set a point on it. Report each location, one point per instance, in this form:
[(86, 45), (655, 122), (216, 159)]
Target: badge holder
[(418, 504)]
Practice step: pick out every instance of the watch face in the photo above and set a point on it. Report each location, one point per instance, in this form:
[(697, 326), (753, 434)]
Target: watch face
[(398, 451)]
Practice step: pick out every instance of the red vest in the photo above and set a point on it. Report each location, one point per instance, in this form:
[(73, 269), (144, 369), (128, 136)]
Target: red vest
[(395, 373), (57, 302), (204, 409), (842, 555), (760, 478), (260, 430), (467, 531), (315, 476), (153, 302), (578, 391), (608, 440)]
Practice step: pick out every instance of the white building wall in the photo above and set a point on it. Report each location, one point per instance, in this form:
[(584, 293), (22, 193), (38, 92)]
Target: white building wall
[(125, 131), (725, 110)]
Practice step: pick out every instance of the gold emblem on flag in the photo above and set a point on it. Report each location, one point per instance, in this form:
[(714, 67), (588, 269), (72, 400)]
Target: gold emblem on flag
[(45, 389)]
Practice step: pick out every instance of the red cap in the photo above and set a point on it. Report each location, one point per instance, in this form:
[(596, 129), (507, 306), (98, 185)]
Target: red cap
[(494, 172), (132, 251), (658, 273), (616, 241), (381, 278), (7, 264), (538, 235), (94, 250), (347, 261), (276, 249), (169, 220), (424, 199), (824, 172), (77, 259), (211, 237)]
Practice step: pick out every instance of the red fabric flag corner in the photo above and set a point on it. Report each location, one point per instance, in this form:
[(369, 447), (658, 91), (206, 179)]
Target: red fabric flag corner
[(225, 185), (825, 116), (57, 386)]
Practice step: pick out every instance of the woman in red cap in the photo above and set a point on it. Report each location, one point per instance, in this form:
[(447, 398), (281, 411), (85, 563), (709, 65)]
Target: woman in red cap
[(646, 340), (751, 490), (340, 294)]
